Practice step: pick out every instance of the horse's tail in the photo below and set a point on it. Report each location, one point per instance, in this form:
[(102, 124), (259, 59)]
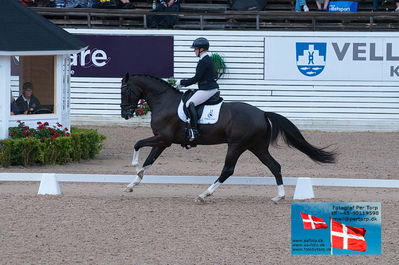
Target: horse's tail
[(294, 138)]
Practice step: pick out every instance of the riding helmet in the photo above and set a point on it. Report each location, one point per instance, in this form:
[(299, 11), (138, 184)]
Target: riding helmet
[(200, 43)]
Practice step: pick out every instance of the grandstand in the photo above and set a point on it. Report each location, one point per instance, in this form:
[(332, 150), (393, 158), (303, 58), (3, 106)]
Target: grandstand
[(217, 15)]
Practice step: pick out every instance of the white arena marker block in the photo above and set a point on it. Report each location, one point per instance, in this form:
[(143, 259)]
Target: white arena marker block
[(304, 189), (49, 185)]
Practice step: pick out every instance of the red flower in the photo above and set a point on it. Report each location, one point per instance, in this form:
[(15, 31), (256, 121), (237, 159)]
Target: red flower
[(31, 134), (66, 129), (39, 122), (51, 130), (46, 123), (26, 127), (11, 133), (25, 132)]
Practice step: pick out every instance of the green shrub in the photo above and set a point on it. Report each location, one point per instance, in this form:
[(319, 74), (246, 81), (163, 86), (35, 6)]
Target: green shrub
[(48, 146)]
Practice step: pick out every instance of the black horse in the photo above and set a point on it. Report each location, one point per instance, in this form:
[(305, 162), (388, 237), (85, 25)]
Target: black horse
[(240, 125)]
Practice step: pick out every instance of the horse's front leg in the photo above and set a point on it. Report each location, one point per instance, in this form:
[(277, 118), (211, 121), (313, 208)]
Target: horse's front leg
[(151, 141), (157, 149)]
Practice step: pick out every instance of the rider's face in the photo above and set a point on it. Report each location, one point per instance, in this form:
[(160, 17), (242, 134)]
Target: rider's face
[(197, 52)]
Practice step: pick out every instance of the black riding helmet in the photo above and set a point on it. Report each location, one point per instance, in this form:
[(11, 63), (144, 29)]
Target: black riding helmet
[(200, 43)]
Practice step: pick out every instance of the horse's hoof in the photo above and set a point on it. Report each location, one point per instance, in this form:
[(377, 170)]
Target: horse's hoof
[(199, 200), (128, 189), (277, 199)]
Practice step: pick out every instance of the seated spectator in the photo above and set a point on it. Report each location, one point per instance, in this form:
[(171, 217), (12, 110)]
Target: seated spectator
[(324, 7), (105, 4), (375, 4), (126, 4), (70, 3), (301, 5), (385, 4), (14, 109), (27, 103), (158, 21), (29, 3)]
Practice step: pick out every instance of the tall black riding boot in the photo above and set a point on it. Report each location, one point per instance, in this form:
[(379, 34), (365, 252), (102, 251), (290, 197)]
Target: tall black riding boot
[(192, 132)]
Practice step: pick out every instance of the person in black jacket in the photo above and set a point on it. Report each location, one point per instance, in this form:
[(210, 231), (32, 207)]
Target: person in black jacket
[(207, 86), (27, 102)]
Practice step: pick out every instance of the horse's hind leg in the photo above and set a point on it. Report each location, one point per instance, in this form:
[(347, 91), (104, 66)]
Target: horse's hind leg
[(233, 153), (265, 157), (154, 154)]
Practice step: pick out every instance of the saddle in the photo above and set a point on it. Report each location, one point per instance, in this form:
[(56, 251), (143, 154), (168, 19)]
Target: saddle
[(214, 100)]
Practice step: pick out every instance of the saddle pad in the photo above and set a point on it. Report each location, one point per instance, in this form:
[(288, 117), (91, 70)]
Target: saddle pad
[(210, 115)]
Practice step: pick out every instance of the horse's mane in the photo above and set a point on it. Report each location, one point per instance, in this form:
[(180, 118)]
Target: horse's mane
[(163, 82)]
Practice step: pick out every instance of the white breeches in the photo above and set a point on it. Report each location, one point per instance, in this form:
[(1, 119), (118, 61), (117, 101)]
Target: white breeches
[(200, 96)]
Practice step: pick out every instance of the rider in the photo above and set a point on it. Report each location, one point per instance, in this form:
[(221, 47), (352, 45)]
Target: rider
[(207, 86)]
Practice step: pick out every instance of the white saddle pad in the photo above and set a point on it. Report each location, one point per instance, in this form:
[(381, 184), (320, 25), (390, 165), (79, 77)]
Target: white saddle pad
[(210, 115)]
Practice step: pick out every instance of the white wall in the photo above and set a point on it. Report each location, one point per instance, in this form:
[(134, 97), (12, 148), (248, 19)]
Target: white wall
[(311, 104)]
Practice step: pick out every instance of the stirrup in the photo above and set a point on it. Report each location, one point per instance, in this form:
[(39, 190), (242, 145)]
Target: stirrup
[(192, 134)]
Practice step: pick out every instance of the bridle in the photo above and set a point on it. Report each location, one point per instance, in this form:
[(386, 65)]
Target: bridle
[(130, 106)]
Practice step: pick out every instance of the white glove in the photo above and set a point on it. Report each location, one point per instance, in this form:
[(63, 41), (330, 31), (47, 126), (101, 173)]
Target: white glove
[(178, 85)]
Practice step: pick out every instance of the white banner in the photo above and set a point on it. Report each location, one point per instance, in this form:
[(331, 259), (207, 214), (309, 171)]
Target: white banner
[(342, 58)]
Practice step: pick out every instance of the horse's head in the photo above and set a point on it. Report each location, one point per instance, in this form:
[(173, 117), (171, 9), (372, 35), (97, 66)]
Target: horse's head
[(130, 96)]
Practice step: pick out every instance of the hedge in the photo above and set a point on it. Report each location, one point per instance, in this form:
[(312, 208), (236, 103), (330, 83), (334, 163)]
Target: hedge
[(79, 144)]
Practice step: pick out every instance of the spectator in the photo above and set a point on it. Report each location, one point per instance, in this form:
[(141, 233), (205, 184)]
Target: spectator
[(164, 21), (105, 4), (70, 3), (27, 103), (319, 4), (14, 110), (301, 4), (126, 4), (29, 3), (385, 3)]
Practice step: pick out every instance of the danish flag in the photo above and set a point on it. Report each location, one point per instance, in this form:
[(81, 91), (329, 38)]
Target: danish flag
[(347, 237), (312, 222)]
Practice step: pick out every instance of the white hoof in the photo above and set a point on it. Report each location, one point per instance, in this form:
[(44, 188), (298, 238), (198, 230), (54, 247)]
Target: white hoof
[(128, 189), (199, 200), (277, 199)]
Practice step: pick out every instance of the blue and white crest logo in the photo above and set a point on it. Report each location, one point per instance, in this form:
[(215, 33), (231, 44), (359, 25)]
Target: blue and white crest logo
[(311, 57)]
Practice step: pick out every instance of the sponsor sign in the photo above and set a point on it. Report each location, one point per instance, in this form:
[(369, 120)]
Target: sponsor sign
[(113, 56), (342, 6), (332, 58)]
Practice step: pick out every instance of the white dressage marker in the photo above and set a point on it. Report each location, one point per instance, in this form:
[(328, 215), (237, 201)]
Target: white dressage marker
[(49, 185), (304, 189)]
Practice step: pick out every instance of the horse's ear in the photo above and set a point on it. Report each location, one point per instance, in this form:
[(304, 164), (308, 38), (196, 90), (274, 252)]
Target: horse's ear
[(127, 76)]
